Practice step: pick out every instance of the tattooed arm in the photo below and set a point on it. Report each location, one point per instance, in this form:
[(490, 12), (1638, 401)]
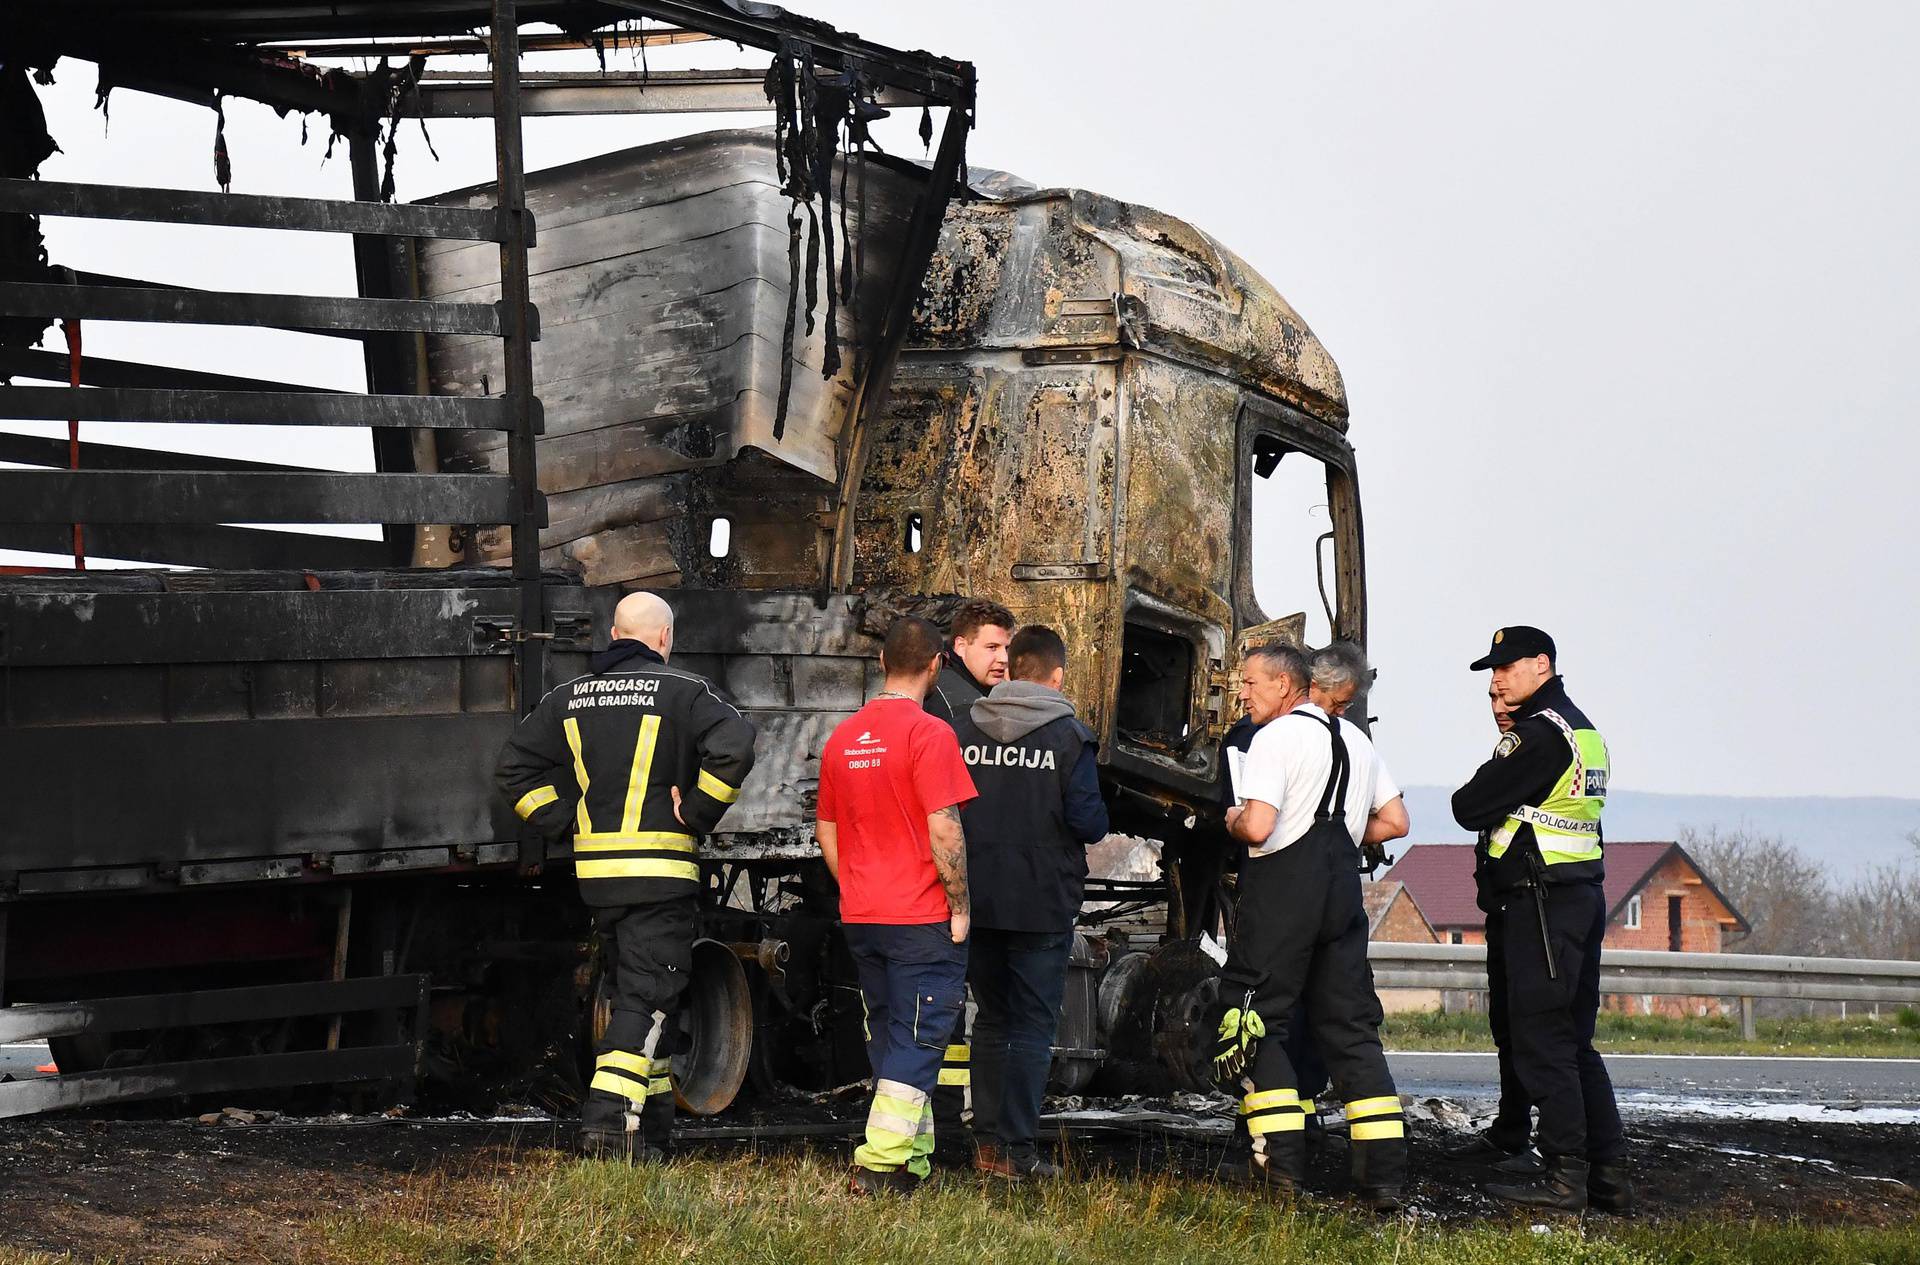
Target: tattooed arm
[(950, 858)]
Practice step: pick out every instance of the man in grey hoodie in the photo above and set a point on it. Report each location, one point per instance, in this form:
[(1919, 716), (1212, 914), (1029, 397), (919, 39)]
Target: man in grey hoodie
[(1039, 808)]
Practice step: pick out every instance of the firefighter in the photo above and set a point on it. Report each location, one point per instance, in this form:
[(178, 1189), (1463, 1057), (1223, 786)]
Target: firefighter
[(1313, 788), (1539, 798), (1039, 810), (888, 825), (640, 760)]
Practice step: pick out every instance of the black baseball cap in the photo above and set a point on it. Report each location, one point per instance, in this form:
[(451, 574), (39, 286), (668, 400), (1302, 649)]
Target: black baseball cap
[(1511, 644)]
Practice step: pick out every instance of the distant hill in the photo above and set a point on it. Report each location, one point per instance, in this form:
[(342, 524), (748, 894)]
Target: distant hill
[(1842, 834)]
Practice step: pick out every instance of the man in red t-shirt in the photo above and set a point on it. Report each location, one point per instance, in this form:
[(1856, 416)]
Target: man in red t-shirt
[(891, 783)]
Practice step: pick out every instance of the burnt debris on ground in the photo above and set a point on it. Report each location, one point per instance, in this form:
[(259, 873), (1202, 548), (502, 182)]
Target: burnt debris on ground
[(230, 1191)]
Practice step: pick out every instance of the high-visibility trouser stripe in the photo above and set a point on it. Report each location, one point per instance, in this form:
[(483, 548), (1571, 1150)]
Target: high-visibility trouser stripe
[(1260, 1099), (642, 770), (1375, 1130), (1267, 1120), (636, 867), (535, 800), (661, 1083), (955, 1068), (1308, 1106), (639, 1065), (582, 823), (716, 788), (893, 1122), (614, 1081), (919, 1162), (634, 840), (1361, 1108)]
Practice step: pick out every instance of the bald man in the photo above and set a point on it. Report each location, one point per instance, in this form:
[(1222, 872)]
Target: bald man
[(638, 760)]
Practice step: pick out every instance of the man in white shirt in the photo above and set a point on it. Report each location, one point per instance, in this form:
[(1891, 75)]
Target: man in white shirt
[(1312, 788)]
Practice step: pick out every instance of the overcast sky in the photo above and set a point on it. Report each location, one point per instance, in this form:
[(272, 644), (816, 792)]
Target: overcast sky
[(1625, 300)]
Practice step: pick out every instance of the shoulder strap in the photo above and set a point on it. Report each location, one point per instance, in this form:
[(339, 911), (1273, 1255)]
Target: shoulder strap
[(1334, 799)]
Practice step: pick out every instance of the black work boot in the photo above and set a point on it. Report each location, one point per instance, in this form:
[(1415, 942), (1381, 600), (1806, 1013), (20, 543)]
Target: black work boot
[(1259, 1176), (1610, 1188), (622, 1146), (1479, 1148), (1562, 1188), (867, 1182), (1521, 1164)]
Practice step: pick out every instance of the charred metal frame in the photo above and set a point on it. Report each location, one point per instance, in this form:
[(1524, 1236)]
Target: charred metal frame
[(151, 506)]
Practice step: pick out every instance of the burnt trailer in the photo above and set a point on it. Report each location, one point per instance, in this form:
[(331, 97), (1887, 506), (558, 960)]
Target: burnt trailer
[(796, 386)]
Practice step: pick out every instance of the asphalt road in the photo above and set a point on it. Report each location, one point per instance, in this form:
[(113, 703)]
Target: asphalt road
[(1713, 1078)]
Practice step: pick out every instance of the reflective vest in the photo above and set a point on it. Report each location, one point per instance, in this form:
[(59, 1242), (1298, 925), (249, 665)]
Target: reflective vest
[(1566, 828)]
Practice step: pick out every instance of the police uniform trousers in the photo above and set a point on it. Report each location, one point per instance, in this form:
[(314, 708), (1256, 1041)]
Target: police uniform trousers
[(1512, 1126), (648, 951), (913, 983), (1550, 1021), (1300, 929)]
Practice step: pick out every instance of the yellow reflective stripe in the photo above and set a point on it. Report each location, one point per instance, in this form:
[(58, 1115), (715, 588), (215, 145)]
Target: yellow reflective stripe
[(535, 800), (1375, 1130), (642, 770), (638, 1064), (1309, 1106), (718, 789), (1279, 1122), (614, 1083), (630, 841), (659, 1085), (636, 867), (1261, 1099), (1372, 1107), (582, 822), (959, 1053), (955, 1076), (1553, 856)]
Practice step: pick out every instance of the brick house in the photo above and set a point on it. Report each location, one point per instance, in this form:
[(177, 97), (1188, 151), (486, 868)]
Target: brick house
[(1657, 898), (1393, 914)]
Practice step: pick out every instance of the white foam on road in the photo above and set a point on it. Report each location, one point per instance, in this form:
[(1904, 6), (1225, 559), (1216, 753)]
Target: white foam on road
[(1686, 1058), (1800, 1113)]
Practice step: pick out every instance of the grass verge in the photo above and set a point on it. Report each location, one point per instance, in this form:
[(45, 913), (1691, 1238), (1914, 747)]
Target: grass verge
[(1617, 1033), (791, 1209)]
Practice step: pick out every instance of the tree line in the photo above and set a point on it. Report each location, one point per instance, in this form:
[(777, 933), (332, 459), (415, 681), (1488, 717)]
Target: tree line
[(1795, 906)]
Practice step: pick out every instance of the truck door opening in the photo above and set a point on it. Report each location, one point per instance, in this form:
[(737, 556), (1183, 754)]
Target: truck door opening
[(1155, 707), (1291, 540)]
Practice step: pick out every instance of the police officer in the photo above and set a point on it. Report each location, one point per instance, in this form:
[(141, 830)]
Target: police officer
[(640, 759), (1507, 1142), (1039, 809), (1313, 788), (1539, 867)]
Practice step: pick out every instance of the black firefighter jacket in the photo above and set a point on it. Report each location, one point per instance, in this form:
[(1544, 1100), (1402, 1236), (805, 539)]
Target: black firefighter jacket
[(602, 754)]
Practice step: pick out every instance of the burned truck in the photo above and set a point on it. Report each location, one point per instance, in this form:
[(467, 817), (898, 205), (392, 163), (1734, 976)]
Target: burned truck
[(253, 862)]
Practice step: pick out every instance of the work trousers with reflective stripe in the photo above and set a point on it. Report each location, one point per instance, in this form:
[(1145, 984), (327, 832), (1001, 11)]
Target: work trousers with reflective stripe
[(1512, 1126), (1301, 929), (1551, 1020), (913, 982), (648, 955)]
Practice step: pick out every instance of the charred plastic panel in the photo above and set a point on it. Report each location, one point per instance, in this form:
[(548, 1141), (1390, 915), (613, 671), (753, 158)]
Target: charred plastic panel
[(203, 727), (1065, 435), (661, 275)]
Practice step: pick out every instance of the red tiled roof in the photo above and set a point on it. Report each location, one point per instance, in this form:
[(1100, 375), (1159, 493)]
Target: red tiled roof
[(1440, 878)]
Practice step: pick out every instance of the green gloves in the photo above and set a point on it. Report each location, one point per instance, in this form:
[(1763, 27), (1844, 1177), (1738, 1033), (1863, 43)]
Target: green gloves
[(1240, 1031)]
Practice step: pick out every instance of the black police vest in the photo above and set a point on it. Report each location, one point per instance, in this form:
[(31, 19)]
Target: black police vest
[(1025, 869)]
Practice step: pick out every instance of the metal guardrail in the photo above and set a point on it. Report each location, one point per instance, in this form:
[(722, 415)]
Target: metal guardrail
[(1637, 971)]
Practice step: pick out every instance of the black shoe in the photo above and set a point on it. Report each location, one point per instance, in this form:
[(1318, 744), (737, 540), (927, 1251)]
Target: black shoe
[(1562, 1188), (1480, 1148), (1382, 1200), (1609, 1188), (868, 1182), (1522, 1164), (618, 1146), (1256, 1176)]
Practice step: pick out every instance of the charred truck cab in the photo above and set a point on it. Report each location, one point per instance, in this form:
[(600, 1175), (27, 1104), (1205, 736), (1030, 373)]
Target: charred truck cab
[(796, 390)]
